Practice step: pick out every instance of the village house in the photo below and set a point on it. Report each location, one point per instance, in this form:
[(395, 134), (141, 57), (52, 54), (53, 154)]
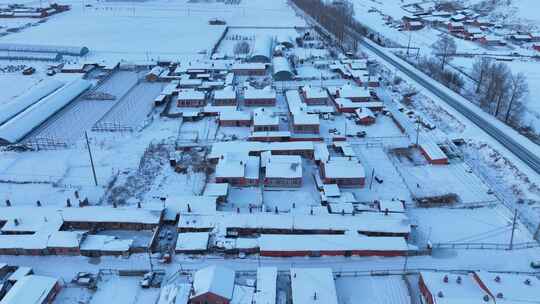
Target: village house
[(345, 105), (190, 98), (343, 171), (315, 95), (354, 93), (155, 74), (456, 27), (33, 289), (234, 118), (265, 97), (238, 170), (249, 69), (451, 288), (225, 97), (413, 25), (265, 120), (490, 40), (304, 123), (212, 285), (511, 287), (282, 170), (364, 116), (252, 148)]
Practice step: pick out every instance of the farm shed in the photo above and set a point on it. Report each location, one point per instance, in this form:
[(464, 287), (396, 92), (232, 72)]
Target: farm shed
[(192, 242), (313, 285), (234, 118), (282, 69), (262, 49), (433, 154), (285, 40), (37, 48), (31, 118), (7, 55), (213, 285), (33, 289), (278, 245), (25, 100)]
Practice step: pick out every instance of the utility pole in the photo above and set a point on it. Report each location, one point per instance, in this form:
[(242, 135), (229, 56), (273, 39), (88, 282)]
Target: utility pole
[(513, 230), (91, 158), (417, 130), (409, 44), (372, 177)]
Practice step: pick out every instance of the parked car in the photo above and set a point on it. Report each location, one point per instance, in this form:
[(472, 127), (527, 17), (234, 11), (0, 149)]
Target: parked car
[(361, 134), (535, 264), (29, 71)]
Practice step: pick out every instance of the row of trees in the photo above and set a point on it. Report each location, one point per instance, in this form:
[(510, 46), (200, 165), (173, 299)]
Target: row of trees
[(498, 91)]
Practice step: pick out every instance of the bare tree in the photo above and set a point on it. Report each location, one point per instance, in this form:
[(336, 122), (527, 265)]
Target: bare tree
[(519, 90), (241, 47), (444, 48), (480, 70)]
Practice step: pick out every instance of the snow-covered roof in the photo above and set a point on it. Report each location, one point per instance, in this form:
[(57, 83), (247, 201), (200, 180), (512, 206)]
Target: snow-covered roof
[(512, 287), (234, 115), (313, 286), (331, 190), (214, 279), (344, 167), (314, 92), (111, 215), (174, 294), (286, 166), (282, 69), (191, 241), (21, 272), (303, 118), (266, 291), (248, 66), (329, 242), (230, 168), (188, 94), (226, 93), (262, 49), (213, 189), (63, 50), (18, 127), (105, 243), (350, 91), (364, 113), (65, 239), (244, 147), (265, 93), (294, 101), (432, 150), (347, 103), (466, 290), (198, 204), (262, 117), (321, 152), (365, 222), (30, 289)]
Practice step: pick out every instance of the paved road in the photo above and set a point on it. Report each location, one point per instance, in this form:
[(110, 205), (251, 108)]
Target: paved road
[(489, 127), (504, 137)]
